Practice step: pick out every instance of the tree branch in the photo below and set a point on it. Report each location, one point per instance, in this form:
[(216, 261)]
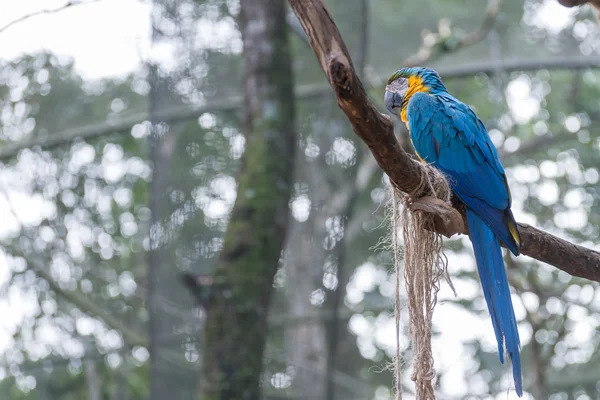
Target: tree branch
[(376, 130), (443, 41), (576, 3), (180, 113), (538, 143), (46, 11), (79, 300), (131, 337)]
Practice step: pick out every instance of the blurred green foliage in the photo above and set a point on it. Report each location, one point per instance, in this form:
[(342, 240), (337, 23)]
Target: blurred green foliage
[(79, 211)]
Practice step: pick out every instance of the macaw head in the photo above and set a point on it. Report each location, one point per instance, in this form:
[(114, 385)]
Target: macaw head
[(408, 81)]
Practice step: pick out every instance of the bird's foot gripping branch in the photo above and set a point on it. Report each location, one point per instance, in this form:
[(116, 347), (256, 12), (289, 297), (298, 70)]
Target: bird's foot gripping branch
[(377, 132)]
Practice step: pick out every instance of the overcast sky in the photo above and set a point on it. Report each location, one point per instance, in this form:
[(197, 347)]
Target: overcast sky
[(106, 38)]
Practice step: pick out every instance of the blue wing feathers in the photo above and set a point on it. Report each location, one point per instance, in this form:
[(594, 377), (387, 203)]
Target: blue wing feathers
[(465, 154), (448, 134)]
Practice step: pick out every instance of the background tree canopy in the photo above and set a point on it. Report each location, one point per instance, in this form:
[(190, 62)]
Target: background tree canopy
[(118, 184)]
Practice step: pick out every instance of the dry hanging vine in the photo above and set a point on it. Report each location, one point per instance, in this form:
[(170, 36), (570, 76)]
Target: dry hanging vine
[(424, 265)]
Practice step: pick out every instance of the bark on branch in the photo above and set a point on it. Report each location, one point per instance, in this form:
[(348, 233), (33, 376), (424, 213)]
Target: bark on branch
[(377, 131), (576, 3), (45, 11)]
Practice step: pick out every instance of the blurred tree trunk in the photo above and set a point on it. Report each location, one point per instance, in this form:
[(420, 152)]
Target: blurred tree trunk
[(306, 337), (166, 298), (92, 378), (236, 326), (160, 272)]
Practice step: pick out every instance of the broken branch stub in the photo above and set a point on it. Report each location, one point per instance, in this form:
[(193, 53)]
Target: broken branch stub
[(447, 220)]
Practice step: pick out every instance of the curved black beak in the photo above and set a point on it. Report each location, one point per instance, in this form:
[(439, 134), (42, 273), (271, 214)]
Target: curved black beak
[(394, 94), (392, 100)]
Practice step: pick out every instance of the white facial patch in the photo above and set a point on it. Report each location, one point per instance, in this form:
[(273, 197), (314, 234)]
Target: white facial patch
[(399, 86)]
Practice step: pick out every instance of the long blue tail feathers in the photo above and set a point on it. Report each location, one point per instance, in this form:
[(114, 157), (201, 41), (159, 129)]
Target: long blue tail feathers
[(497, 293)]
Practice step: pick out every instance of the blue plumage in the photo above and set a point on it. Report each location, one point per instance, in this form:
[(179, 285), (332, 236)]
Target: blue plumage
[(497, 293), (446, 133)]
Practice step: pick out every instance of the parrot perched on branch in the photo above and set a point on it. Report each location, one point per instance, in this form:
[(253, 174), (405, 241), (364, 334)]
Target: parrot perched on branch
[(447, 134)]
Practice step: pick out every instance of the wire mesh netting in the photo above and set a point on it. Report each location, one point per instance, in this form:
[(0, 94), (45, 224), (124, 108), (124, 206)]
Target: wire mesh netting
[(119, 176)]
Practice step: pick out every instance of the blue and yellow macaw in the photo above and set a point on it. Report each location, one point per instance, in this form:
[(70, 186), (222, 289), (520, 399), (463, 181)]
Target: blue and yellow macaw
[(447, 134)]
